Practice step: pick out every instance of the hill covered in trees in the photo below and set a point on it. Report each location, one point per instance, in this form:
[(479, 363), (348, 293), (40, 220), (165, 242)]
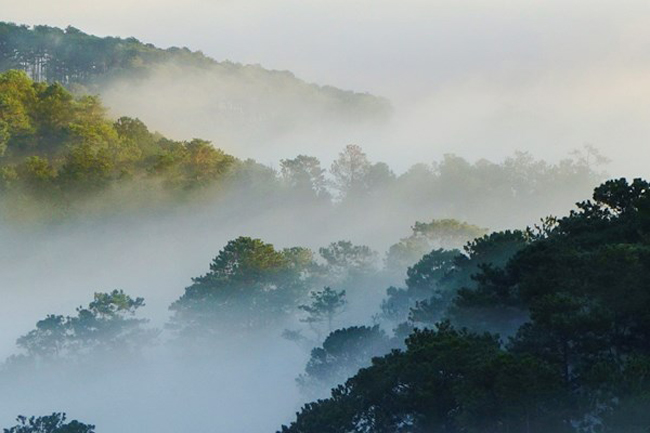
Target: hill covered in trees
[(57, 149), (219, 99)]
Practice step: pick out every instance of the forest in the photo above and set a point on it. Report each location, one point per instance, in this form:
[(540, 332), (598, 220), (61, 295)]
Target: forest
[(155, 281), (60, 151), (536, 329)]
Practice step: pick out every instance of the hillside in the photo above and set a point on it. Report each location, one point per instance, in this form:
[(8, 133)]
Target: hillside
[(553, 339), (220, 100), (57, 149)]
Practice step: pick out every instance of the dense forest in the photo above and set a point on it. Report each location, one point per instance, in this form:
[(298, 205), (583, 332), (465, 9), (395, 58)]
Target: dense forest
[(456, 296), (555, 338), (69, 56)]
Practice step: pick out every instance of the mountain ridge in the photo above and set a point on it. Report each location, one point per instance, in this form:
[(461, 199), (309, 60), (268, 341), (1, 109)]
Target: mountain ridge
[(49, 53)]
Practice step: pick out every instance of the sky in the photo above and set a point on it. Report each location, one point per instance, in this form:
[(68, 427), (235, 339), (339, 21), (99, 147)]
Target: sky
[(476, 78)]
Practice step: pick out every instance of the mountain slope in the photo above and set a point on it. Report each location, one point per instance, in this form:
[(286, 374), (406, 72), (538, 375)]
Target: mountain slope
[(183, 92)]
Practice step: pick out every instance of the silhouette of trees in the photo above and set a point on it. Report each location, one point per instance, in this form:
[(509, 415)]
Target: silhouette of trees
[(55, 423), (324, 306)]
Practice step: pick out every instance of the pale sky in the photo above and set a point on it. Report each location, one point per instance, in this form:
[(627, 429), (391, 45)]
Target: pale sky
[(478, 78)]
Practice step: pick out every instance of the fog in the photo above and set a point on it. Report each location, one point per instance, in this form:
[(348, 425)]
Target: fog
[(472, 116), (54, 268), (478, 79), (57, 271), (247, 112)]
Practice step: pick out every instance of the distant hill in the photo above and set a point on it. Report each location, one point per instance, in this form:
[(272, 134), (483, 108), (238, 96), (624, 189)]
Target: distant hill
[(185, 90)]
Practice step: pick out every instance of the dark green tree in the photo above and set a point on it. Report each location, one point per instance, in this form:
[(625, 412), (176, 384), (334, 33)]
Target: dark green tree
[(55, 423), (448, 381), (250, 285), (343, 352)]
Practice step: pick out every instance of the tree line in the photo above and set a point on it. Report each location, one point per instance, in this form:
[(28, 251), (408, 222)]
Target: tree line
[(79, 60), (58, 150)]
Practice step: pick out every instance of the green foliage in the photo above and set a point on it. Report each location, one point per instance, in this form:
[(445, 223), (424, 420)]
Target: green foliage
[(190, 165), (446, 380), (134, 134), (250, 285), (58, 149), (433, 282), (426, 279), (574, 294), (431, 269), (345, 262), (54, 423), (577, 270), (38, 174), (343, 352), (87, 167), (71, 56), (106, 325)]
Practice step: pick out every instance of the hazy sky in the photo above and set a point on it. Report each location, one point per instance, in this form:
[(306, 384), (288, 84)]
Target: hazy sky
[(474, 77)]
